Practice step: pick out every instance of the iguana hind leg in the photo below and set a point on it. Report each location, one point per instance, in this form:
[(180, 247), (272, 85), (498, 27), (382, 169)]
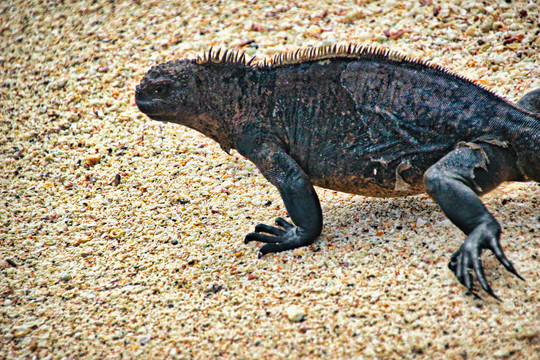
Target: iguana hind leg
[(455, 182)]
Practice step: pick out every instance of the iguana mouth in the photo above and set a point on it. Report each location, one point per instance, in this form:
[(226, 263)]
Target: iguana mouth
[(151, 108)]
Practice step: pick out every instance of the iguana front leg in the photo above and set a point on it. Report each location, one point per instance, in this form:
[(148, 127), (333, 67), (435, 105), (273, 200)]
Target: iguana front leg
[(455, 182), (297, 193)]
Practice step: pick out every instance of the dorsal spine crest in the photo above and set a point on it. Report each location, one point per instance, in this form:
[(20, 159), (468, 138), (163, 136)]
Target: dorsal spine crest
[(305, 55), (320, 53)]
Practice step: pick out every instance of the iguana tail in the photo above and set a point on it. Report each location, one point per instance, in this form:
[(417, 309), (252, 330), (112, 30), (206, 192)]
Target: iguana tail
[(530, 101)]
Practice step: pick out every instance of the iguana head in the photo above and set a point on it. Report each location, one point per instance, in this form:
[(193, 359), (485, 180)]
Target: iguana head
[(201, 96), (168, 92)]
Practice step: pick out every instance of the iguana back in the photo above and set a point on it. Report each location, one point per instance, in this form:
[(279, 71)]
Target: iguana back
[(373, 124)]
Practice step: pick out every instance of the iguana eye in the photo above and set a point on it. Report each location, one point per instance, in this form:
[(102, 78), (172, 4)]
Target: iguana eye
[(161, 87)]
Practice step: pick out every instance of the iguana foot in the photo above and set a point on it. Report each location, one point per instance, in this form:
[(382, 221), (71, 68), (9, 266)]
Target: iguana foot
[(468, 258), (285, 236), (455, 182)]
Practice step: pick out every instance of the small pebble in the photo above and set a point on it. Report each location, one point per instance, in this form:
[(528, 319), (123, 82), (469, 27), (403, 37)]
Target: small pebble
[(497, 25), (364, 36), (295, 313), (452, 35), (65, 277), (498, 59), (92, 160), (11, 262), (213, 288), (145, 339), (86, 252)]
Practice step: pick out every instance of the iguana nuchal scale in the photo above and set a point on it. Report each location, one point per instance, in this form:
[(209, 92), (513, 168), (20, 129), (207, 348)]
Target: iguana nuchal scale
[(359, 120)]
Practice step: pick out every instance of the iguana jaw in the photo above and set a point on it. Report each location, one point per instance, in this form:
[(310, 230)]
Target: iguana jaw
[(156, 109), (152, 108)]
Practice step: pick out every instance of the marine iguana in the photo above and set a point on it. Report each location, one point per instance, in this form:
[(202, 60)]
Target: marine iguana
[(361, 120)]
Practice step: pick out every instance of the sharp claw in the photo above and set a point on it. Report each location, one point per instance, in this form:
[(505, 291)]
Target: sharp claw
[(480, 276), (490, 292), (460, 270), (469, 282), (513, 270), (459, 275), (483, 282), (485, 285), (519, 276), (499, 254), (467, 258), (260, 255)]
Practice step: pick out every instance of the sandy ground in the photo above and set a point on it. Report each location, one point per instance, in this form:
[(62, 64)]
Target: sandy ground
[(121, 237)]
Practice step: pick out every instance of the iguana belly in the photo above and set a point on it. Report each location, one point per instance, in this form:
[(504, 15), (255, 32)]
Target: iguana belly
[(367, 176), (376, 185)]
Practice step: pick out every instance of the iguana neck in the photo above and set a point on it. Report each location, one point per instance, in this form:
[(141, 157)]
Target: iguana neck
[(215, 126), (222, 102)]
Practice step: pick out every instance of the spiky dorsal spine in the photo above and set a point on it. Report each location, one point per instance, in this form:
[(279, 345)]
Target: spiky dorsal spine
[(225, 57), (354, 51), (335, 51), (220, 56)]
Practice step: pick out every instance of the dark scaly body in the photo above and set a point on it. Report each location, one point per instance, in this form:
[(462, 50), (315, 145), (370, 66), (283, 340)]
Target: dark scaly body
[(357, 120), (373, 128)]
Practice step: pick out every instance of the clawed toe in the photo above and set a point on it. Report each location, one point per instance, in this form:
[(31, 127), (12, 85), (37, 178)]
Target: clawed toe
[(466, 261), (269, 229), (284, 223), (284, 236), (261, 238)]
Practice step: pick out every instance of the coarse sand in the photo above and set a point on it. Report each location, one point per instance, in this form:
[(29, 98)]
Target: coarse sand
[(121, 237)]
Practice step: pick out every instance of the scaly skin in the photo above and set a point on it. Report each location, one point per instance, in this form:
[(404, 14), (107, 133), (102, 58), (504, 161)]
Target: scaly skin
[(359, 121)]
